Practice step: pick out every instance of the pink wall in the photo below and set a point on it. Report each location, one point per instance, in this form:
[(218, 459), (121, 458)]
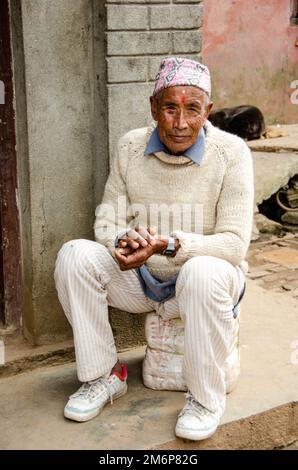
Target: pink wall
[(250, 48)]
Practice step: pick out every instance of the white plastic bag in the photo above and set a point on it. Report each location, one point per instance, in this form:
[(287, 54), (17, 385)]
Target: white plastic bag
[(163, 362)]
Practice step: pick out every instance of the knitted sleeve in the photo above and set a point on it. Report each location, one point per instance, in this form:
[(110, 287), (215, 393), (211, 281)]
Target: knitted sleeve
[(110, 215), (232, 232)]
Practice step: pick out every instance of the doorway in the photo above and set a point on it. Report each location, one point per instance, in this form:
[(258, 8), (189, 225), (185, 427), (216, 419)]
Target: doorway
[(10, 255)]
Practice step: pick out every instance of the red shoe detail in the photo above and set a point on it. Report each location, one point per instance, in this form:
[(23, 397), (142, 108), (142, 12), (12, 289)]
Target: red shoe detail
[(123, 375)]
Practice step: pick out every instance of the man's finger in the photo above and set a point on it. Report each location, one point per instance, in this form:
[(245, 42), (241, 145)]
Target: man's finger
[(118, 253), (126, 250), (134, 235), (121, 258), (133, 244), (152, 230), (145, 234), (125, 263)]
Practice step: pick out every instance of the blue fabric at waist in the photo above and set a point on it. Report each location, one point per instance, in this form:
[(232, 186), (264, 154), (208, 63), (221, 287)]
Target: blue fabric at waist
[(155, 289), (162, 291)]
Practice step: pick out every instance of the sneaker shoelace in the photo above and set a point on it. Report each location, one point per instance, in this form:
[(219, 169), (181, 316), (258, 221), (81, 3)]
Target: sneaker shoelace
[(193, 407), (89, 390)]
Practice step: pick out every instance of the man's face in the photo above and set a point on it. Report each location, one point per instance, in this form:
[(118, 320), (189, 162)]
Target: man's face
[(180, 112)]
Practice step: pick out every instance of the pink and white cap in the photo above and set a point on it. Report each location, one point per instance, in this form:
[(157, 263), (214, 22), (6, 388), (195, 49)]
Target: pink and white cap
[(177, 71)]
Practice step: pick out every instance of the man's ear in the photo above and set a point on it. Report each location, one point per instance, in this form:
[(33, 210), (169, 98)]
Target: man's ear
[(207, 111), (154, 107)]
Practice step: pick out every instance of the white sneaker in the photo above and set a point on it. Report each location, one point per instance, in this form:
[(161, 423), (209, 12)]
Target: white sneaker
[(195, 422), (92, 396)]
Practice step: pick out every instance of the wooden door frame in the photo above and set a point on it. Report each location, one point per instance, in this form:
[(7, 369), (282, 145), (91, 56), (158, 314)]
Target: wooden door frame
[(10, 250), (294, 16)]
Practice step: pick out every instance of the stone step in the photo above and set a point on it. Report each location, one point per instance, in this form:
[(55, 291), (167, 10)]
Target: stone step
[(19, 356), (262, 413), (286, 142)]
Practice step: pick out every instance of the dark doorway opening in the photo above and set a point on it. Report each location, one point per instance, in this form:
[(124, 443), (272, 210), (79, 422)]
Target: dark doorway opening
[(10, 256), (282, 206)]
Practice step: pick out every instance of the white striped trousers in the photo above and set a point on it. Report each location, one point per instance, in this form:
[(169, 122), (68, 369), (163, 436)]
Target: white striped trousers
[(88, 279)]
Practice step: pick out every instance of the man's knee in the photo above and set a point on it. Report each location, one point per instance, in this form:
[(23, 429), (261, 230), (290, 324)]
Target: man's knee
[(209, 265), (78, 254), (203, 271)]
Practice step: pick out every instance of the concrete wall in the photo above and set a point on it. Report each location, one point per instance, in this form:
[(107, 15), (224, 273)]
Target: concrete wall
[(57, 183), (140, 33), (252, 53)]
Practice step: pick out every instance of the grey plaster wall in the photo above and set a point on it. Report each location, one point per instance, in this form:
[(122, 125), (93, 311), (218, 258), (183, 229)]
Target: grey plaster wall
[(61, 98), (139, 34)]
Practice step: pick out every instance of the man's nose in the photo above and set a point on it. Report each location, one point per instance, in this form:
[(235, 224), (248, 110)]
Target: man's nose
[(181, 122)]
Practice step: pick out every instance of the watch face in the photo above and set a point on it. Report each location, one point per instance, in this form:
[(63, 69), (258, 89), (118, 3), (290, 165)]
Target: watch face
[(169, 252)]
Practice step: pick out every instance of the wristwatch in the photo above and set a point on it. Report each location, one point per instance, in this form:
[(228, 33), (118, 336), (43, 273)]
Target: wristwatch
[(170, 249)]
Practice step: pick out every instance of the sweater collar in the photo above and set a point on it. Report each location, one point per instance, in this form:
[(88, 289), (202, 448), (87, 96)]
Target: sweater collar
[(194, 153)]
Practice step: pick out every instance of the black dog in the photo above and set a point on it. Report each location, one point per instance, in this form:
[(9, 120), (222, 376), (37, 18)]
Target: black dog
[(245, 121)]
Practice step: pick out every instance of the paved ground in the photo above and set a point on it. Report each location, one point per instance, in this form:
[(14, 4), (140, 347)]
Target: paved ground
[(274, 266), (273, 263)]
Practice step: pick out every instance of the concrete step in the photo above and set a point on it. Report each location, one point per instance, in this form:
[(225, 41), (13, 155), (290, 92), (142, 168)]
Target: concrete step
[(19, 356), (262, 413), (286, 142)]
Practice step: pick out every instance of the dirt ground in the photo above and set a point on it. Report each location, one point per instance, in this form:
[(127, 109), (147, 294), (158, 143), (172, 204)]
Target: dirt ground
[(293, 446)]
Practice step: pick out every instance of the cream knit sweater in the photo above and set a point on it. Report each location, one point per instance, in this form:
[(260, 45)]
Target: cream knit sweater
[(222, 186)]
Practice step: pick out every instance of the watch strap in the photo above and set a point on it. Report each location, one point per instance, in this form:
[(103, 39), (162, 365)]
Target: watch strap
[(170, 249)]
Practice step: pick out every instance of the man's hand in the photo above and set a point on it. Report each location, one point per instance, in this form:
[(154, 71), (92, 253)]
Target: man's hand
[(132, 259), (136, 238)]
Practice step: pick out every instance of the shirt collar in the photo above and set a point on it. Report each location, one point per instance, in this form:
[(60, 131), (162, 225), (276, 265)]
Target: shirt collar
[(194, 153)]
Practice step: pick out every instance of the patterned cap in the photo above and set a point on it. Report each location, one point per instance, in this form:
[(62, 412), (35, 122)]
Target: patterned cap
[(175, 71)]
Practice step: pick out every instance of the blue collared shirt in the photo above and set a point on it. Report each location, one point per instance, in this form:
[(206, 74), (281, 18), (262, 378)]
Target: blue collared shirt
[(194, 153)]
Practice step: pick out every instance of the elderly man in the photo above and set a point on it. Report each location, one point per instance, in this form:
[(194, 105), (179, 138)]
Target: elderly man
[(194, 270)]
